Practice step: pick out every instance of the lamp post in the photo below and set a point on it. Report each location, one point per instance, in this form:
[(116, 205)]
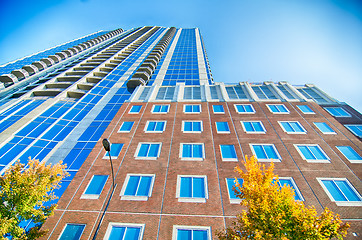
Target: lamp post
[(107, 147)]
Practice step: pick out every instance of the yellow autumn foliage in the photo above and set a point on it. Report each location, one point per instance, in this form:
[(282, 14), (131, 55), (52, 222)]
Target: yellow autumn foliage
[(23, 193), (273, 213)]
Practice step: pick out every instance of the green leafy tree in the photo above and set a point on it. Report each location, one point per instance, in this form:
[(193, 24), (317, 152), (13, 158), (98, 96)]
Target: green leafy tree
[(23, 192), (273, 213)]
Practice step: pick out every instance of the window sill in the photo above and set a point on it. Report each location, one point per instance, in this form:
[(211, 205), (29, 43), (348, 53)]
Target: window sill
[(192, 159), (255, 132), (89, 196), (134, 198), (269, 160), (229, 159), (146, 158), (192, 200), (318, 161), (349, 204), (235, 201)]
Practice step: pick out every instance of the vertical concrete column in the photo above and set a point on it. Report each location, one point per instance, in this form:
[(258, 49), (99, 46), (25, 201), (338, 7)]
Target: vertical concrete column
[(201, 59)]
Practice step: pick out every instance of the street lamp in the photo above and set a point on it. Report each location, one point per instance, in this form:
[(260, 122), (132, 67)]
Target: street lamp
[(107, 147)]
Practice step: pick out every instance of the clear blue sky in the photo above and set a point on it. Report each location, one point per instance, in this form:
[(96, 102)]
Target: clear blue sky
[(300, 41)]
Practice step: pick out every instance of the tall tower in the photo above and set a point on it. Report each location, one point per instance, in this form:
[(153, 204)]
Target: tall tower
[(176, 136)]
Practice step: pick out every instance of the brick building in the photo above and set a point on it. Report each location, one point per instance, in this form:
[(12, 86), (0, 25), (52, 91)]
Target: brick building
[(176, 136)]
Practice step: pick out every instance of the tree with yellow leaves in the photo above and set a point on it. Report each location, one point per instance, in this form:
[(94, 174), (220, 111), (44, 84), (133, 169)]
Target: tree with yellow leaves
[(23, 192), (273, 213)]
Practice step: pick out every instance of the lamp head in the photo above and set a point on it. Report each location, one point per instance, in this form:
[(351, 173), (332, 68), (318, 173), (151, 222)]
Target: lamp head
[(106, 144)]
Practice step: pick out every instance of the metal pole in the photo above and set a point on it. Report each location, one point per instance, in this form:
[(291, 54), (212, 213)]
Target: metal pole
[(109, 199), (110, 159)]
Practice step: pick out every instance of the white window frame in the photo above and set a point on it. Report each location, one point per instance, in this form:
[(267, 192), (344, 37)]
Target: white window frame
[(222, 132), (184, 109), (183, 127), (334, 132), (147, 158), (280, 104), (93, 196), (236, 109), (305, 112), (351, 161), (65, 226), (265, 159), (191, 199), (341, 203), (125, 131), (118, 224), (137, 198), (248, 132), (183, 227), (326, 108), (192, 158), (348, 127), (312, 161), (218, 112), (281, 125), (153, 108), (296, 189), (232, 201), (228, 159), (129, 112), (148, 122)]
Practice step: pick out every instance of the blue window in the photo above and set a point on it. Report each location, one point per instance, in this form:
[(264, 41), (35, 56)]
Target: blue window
[(135, 109), (218, 108), (155, 126), (191, 233), (126, 127), (312, 153), (137, 187), (192, 126), (165, 93), (124, 231), (290, 182), (228, 153), (192, 188), (355, 129), (265, 152), (72, 231), (160, 108), (264, 92), (192, 93), (95, 187), (350, 154), (324, 128), (115, 150), (192, 108), (230, 183), (244, 108), (337, 112), (149, 151), (277, 108), (144, 93), (222, 127), (253, 127), (341, 191), (293, 127), (192, 151), (305, 109), (237, 92)]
